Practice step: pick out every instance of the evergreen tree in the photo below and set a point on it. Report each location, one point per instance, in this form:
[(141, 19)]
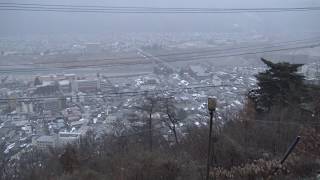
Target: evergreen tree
[(280, 84)]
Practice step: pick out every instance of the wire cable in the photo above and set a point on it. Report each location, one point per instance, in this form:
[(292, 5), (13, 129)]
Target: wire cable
[(126, 9), (144, 7)]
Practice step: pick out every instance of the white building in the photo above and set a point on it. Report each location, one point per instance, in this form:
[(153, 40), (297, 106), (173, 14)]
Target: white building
[(25, 107), (65, 86), (59, 140), (65, 138), (44, 142), (57, 77)]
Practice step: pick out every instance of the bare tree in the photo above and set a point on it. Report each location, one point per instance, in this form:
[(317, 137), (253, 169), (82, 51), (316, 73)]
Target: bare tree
[(173, 116), (149, 105), (3, 160)]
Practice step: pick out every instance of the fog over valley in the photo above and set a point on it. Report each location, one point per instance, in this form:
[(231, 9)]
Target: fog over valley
[(159, 89)]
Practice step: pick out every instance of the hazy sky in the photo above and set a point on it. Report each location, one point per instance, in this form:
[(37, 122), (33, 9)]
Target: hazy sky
[(14, 22)]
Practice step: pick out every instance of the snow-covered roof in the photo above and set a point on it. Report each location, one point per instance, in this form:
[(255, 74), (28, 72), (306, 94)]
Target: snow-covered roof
[(64, 82)]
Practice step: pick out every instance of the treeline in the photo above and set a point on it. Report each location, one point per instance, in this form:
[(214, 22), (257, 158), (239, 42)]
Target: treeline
[(248, 145)]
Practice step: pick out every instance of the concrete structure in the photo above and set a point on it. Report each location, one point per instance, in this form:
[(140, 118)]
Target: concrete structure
[(60, 140), (65, 138), (106, 86), (65, 86), (43, 142), (57, 77), (54, 105), (25, 107), (86, 85), (198, 72)]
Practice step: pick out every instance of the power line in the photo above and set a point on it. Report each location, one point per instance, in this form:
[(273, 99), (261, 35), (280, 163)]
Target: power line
[(126, 9), (288, 123), (259, 52), (147, 12), (144, 7), (243, 47), (257, 121), (139, 132), (257, 48), (313, 124)]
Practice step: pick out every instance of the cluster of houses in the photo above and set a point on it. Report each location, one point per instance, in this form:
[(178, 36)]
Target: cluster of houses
[(55, 110)]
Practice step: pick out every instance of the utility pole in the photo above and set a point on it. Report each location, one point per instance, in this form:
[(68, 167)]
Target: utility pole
[(212, 104), (289, 151), (150, 128)]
